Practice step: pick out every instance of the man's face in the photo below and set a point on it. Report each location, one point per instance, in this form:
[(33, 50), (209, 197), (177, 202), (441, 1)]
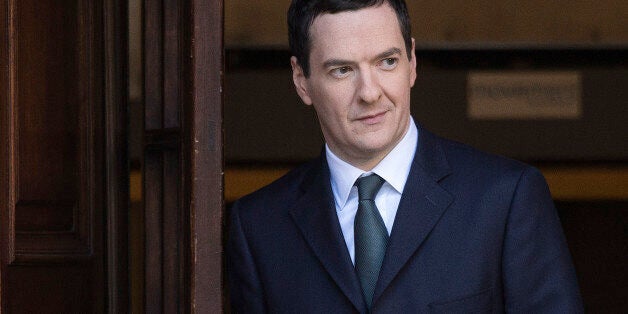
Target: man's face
[(359, 83)]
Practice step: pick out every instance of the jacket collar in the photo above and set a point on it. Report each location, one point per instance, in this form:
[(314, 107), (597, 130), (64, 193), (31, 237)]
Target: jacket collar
[(423, 202), (315, 215)]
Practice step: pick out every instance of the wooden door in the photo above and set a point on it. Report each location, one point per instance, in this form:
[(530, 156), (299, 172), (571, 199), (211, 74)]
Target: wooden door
[(183, 200), (63, 186)]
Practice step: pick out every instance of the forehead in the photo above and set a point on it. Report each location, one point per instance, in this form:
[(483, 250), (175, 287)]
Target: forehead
[(372, 28)]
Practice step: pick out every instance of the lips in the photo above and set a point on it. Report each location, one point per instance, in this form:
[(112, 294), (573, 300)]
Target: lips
[(373, 118)]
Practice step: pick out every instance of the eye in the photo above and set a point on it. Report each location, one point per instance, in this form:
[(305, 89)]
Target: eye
[(389, 63), (340, 72)]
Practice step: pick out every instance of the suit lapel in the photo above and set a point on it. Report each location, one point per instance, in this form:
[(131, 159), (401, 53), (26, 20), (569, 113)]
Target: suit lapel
[(315, 215), (422, 204)]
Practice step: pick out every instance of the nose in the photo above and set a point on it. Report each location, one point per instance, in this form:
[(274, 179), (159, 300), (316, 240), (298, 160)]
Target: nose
[(369, 89)]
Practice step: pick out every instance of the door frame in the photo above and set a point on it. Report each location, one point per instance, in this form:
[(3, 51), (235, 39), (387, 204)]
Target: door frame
[(116, 98), (183, 156), (205, 155)]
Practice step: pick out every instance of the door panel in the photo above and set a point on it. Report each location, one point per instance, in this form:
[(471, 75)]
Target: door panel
[(51, 212), (62, 147), (52, 260)]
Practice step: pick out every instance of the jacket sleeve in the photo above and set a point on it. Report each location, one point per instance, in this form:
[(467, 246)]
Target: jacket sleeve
[(244, 285), (538, 272)]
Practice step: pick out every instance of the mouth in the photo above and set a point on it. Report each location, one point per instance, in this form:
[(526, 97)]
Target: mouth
[(372, 118)]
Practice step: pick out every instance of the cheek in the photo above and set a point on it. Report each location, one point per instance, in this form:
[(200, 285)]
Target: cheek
[(333, 102), (398, 91)]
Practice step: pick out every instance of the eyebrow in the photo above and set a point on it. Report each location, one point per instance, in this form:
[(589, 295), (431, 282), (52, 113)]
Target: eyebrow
[(388, 53), (339, 62)]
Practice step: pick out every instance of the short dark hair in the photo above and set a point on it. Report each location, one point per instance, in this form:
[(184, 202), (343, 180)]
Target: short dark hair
[(302, 13)]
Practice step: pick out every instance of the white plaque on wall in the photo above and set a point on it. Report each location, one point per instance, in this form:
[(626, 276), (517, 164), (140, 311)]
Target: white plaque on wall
[(524, 95)]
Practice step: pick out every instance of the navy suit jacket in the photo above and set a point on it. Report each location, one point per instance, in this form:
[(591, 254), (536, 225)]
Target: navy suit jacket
[(473, 233)]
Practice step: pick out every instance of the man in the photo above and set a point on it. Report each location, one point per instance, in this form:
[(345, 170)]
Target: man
[(390, 218)]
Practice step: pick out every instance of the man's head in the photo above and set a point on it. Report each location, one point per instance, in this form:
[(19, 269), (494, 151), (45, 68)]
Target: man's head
[(302, 13), (360, 72)]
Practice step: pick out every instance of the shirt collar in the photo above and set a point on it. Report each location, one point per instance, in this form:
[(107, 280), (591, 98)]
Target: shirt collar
[(394, 168)]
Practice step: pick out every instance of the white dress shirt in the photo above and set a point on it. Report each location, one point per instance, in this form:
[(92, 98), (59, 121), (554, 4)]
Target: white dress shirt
[(394, 168)]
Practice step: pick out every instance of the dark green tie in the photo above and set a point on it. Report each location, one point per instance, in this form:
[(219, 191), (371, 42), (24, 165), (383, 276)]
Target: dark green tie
[(370, 233)]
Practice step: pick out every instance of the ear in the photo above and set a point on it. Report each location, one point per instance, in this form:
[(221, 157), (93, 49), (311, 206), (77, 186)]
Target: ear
[(300, 81), (412, 65)]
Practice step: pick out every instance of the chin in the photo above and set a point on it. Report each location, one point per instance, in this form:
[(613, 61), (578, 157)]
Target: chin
[(375, 147)]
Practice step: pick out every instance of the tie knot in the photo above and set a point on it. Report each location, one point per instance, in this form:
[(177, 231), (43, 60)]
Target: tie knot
[(368, 186)]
